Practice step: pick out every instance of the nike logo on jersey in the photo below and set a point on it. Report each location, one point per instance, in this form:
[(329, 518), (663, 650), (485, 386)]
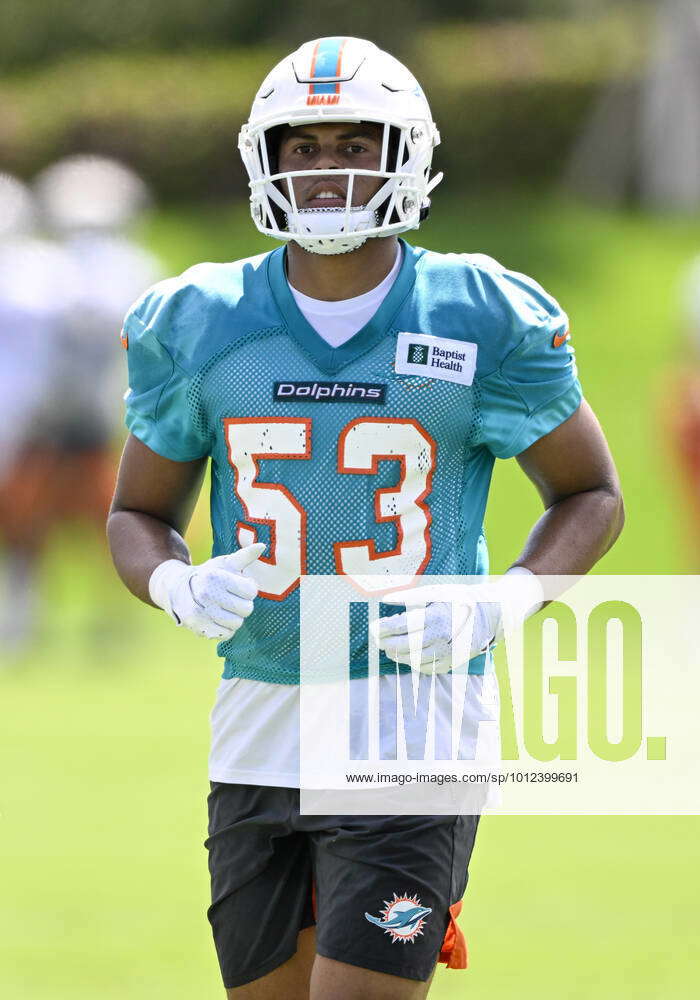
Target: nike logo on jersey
[(560, 338), (435, 357)]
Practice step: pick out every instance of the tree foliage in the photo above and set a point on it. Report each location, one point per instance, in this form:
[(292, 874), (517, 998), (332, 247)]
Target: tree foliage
[(35, 31)]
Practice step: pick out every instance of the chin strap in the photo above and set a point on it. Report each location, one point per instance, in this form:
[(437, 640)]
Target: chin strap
[(332, 248), (320, 229)]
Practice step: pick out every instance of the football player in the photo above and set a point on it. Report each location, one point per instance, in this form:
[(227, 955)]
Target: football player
[(38, 286), (352, 393), (87, 204), (60, 298)]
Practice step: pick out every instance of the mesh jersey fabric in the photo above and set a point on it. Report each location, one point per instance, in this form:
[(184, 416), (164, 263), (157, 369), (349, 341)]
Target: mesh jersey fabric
[(329, 484)]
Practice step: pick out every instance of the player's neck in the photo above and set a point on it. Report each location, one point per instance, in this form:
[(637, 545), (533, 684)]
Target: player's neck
[(343, 275)]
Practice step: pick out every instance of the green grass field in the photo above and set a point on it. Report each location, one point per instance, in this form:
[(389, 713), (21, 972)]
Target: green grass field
[(104, 722)]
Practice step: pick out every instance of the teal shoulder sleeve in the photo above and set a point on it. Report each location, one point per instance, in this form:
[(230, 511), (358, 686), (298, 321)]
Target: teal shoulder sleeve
[(157, 408), (535, 386)]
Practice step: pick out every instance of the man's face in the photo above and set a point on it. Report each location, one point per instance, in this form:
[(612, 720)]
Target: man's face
[(332, 147)]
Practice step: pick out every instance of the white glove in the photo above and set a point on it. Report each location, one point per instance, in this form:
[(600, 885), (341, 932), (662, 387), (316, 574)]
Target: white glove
[(424, 636), (212, 599)]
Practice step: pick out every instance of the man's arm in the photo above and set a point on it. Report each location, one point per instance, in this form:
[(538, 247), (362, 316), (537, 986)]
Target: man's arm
[(575, 475), (152, 507)]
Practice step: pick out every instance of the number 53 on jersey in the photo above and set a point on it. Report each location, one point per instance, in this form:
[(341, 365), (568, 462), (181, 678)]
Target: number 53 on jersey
[(362, 444)]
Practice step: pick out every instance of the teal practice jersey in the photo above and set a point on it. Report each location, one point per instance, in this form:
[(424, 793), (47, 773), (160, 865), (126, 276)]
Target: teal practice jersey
[(374, 457)]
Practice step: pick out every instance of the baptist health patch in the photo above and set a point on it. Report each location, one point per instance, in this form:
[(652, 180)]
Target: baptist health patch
[(435, 357)]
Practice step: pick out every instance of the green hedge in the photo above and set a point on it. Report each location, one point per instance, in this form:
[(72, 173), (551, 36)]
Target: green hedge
[(33, 32), (509, 100)]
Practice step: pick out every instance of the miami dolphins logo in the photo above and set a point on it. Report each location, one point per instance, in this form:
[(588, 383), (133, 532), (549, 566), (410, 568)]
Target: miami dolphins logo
[(403, 918)]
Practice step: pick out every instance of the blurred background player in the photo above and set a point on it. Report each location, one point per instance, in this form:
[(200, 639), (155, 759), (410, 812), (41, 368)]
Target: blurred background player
[(17, 217), (72, 290), (87, 203), (38, 289)]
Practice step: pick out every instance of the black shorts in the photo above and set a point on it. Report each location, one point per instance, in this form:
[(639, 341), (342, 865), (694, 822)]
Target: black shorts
[(378, 888)]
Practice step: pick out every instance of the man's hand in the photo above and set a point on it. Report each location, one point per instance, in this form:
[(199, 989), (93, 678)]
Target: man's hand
[(212, 599), (423, 636), (426, 636)]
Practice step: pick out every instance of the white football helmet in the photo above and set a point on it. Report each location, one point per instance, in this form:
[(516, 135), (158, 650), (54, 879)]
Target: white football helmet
[(17, 211), (90, 192), (335, 80)]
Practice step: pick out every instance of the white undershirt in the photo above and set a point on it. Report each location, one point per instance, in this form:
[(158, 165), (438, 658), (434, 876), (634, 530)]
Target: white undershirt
[(254, 724), (338, 321)]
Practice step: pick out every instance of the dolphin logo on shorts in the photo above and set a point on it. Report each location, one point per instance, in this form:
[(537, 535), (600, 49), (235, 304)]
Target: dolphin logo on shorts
[(402, 918)]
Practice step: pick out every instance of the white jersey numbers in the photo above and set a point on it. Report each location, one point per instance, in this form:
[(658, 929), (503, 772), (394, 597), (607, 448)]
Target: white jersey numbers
[(362, 444), (248, 440)]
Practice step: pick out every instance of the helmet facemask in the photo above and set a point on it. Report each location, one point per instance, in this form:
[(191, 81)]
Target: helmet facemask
[(390, 207)]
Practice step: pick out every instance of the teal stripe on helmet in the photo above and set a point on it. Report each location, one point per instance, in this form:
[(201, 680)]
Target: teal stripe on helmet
[(326, 64)]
